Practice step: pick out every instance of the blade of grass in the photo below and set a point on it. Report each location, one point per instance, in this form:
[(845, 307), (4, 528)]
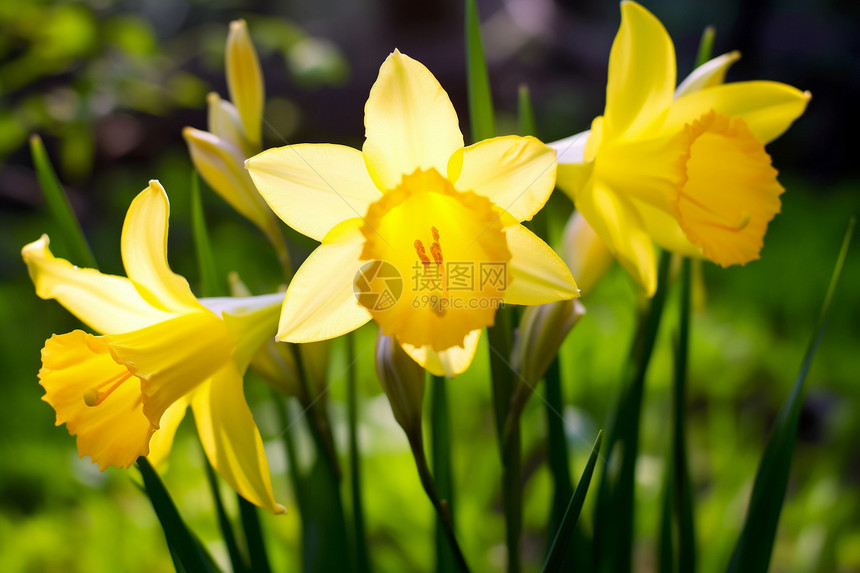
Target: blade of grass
[(440, 432), (253, 536), (179, 537), (362, 558), (59, 206), (210, 285), (706, 45), (236, 559), (755, 544), (666, 547), (563, 540), (613, 522), (481, 111), (525, 111), (557, 446)]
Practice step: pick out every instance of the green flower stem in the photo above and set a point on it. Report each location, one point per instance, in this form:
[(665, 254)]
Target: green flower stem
[(615, 497), (683, 501), (361, 556), (557, 444), (236, 559), (439, 490), (254, 536), (319, 421)]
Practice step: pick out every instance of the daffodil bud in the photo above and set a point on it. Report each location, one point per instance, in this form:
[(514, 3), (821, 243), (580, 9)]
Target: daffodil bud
[(542, 330), (221, 164), (245, 80), (402, 379), (585, 253), (224, 122)]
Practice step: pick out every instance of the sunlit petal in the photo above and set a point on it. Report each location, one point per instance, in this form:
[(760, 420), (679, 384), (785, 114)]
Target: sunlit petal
[(144, 252), (515, 173), (162, 440), (538, 275), (245, 79), (106, 303), (449, 362), (768, 108), (409, 122), (641, 73), (231, 439), (313, 187), (320, 301)]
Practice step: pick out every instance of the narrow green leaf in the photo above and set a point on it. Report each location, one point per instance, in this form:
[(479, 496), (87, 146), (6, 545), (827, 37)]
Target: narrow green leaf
[(682, 487), (568, 524), (557, 446), (613, 521), (236, 558), (210, 284), (481, 112), (362, 558), (755, 544), (666, 547), (706, 46), (440, 432), (254, 536), (60, 208), (525, 111), (179, 537)]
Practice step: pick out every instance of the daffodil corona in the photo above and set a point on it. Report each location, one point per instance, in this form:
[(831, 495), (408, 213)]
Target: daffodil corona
[(685, 168), (418, 233), (124, 393)]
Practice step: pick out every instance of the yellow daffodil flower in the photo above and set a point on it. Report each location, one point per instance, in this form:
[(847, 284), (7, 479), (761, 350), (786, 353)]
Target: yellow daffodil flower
[(397, 217), (124, 393), (685, 168)]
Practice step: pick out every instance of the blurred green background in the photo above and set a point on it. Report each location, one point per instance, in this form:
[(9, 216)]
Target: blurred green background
[(109, 85)]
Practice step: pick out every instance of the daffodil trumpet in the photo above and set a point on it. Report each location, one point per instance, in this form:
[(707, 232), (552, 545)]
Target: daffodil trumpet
[(124, 392), (418, 232), (685, 168)]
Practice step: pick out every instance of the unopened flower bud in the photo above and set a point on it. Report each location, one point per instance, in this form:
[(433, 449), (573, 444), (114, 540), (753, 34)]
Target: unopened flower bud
[(542, 330), (402, 379), (245, 80)]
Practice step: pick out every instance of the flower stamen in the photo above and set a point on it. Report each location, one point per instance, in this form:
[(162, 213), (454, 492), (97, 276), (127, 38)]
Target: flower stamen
[(94, 396)]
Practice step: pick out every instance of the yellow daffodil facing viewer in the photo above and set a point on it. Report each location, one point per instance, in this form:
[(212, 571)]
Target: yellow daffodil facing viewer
[(123, 394), (684, 168), (430, 228)]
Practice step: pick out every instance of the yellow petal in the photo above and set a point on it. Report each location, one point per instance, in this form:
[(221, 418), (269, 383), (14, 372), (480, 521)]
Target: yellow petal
[(231, 439), (409, 122), (173, 357), (144, 252), (114, 431), (573, 177), (515, 173), (162, 440), (221, 164), (245, 80), (252, 328), (711, 73), (731, 192), (449, 362), (106, 303), (618, 223), (313, 187), (768, 108), (665, 229), (538, 275), (320, 301), (641, 79)]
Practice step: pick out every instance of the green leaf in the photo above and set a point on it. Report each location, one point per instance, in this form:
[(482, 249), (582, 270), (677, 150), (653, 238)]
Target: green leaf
[(525, 112), (481, 114), (210, 285), (706, 46), (563, 540), (755, 544), (253, 536), (613, 522), (60, 208), (179, 538)]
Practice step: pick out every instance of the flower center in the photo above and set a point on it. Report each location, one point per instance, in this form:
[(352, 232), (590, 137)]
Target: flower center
[(449, 290)]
